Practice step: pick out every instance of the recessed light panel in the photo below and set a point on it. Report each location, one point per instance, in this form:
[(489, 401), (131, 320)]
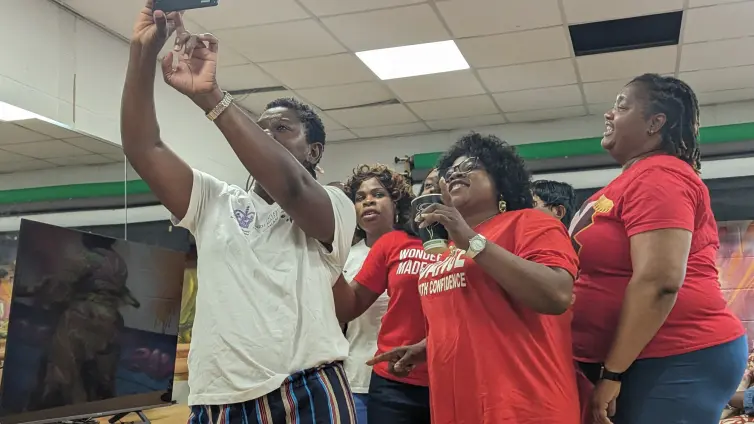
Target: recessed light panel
[(414, 60)]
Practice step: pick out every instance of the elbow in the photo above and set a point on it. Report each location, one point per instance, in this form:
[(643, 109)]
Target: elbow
[(558, 304), (662, 286)]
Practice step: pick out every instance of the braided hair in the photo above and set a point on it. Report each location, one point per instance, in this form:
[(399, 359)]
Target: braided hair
[(677, 101)]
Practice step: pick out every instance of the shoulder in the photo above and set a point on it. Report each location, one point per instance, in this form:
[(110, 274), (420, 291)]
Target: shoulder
[(527, 218), (663, 170)]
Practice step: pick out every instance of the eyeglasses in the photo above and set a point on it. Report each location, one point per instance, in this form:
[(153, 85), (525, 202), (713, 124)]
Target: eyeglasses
[(465, 167)]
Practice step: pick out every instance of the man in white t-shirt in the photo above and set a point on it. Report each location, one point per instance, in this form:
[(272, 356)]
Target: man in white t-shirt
[(266, 345)]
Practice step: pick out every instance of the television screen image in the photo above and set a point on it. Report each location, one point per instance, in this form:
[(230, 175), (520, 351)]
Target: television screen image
[(93, 326)]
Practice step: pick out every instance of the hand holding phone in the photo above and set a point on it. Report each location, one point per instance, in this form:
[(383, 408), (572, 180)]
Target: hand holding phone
[(176, 5)]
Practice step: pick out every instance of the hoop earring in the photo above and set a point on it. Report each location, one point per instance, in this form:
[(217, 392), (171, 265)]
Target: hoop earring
[(502, 206)]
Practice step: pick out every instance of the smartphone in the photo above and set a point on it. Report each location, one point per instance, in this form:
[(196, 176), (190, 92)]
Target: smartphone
[(175, 5)]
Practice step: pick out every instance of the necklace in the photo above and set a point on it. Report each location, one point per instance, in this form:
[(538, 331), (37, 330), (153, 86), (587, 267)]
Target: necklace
[(477, 225)]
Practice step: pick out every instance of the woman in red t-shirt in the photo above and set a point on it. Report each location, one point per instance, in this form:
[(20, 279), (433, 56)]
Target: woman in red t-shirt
[(392, 266), (650, 322), (497, 305)]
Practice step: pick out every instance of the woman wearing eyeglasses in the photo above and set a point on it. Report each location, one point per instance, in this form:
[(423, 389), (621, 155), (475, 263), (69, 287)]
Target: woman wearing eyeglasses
[(498, 344)]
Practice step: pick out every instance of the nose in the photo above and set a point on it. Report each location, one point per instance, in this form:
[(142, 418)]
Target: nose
[(368, 201), (609, 115)]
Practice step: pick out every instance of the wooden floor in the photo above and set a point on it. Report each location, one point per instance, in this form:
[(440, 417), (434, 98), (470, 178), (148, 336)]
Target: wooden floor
[(176, 414)]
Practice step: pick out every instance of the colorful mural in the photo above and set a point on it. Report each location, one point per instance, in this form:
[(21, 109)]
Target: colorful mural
[(735, 262)]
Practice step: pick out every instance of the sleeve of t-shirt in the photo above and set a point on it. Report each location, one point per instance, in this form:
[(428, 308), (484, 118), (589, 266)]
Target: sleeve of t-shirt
[(204, 190), (659, 199), (543, 239), (345, 225), (374, 273)]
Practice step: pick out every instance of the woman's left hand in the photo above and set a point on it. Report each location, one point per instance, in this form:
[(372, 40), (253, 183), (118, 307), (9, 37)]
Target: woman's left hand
[(449, 217), (603, 401)]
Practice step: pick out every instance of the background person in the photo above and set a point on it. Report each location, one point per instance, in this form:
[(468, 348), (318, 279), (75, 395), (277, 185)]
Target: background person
[(555, 198)]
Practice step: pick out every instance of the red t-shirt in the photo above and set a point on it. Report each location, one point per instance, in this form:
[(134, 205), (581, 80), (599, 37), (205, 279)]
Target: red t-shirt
[(393, 264), (491, 359), (655, 193)]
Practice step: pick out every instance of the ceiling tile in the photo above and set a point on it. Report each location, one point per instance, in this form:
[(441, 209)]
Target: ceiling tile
[(719, 22), (46, 149), (320, 71), (408, 25), (243, 13), (459, 107), (546, 114), (257, 102), (350, 95), (470, 122), (32, 165), (412, 128), (541, 98), (580, 11), (628, 64), (717, 54), (81, 160), (328, 122), (241, 77), (531, 75), (719, 79), (599, 108), (603, 92), (436, 86), (47, 128), (340, 135), (505, 49), (226, 55), (290, 40), (339, 7), (467, 18), (95, 146), (117, 15), (700, 3), (726, 96), (373, 116), (12, 134), (6, 157)]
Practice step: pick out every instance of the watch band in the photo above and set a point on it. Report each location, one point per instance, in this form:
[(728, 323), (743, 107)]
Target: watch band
[(221, 107), (606, 374), (476, 245)]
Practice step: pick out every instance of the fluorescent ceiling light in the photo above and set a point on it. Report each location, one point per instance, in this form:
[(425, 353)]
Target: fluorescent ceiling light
[(414, 60), (9, 113)]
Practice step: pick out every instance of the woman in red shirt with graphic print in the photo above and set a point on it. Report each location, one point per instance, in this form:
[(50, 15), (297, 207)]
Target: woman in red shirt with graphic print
[(392, 266), (650, 322), (498, 341)]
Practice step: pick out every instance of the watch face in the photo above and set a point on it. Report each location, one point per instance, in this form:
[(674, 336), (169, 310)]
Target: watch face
[(476, 245)]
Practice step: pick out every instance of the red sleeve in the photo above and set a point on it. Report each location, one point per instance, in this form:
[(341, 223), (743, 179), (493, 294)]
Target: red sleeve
[(658, 199), (373, 274), (543, 239)]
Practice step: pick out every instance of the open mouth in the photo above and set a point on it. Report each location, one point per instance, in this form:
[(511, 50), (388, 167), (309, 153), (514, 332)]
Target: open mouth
[(609, 129), (456, 184), (370, 214)]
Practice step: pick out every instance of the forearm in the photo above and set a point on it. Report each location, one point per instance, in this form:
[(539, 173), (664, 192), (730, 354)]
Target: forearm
[(271, 164), (645, 308), (349, 305), (139, 128), (537, 286)]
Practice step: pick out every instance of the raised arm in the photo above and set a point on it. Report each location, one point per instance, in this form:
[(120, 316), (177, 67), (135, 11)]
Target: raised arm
[(169, 177)]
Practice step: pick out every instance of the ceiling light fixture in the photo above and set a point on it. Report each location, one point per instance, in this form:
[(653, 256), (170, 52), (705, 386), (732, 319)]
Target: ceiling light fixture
[(10, 113), (414, 60)]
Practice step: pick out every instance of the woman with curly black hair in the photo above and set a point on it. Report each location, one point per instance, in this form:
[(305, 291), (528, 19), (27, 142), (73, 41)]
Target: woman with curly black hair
[(497, 305), (382, 304)]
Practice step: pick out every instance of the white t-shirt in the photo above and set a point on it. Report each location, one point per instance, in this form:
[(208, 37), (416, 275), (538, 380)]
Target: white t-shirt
[(264, 306), (362, 332)]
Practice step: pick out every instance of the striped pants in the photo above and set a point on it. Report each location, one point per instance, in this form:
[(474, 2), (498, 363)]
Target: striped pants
[(314, 396)]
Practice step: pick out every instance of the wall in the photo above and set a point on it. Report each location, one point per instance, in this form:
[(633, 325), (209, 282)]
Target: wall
[(72, 72), (340, 158), (63, 176)]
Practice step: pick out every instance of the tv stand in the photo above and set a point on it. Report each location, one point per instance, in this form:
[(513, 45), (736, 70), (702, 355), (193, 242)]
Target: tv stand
[(117, 417)]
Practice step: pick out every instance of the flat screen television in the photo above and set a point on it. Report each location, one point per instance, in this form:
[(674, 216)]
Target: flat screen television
[(93, 326)]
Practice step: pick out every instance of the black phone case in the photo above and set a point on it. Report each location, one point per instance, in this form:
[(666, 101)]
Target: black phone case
[(174, 5)]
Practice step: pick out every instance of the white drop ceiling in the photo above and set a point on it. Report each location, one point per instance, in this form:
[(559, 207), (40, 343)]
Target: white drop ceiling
[(522, 64), (33, 144)]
